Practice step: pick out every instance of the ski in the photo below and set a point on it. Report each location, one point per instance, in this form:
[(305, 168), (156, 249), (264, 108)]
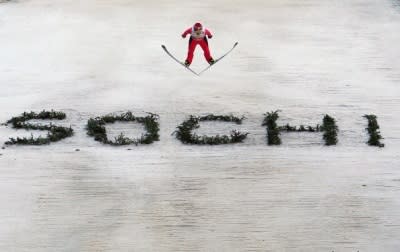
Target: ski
[(172, 56), (220, 58)]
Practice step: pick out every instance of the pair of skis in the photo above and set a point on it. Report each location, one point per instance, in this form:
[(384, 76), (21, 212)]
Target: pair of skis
[(205, 69)]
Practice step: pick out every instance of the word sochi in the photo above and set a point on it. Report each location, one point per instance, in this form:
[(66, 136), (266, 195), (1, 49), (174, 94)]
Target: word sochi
[(96, 128)]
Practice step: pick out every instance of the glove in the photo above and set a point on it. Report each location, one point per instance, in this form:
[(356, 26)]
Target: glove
[(210, 36), (183, 36)]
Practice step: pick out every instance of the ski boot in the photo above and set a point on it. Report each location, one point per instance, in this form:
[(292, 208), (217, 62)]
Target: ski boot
[(187, 63), (211, 61)]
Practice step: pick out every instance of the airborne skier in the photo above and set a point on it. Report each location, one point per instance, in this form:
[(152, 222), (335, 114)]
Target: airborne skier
[(198, 36)]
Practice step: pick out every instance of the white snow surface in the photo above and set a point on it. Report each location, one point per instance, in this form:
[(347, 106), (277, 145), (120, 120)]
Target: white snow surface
[(306, 58)]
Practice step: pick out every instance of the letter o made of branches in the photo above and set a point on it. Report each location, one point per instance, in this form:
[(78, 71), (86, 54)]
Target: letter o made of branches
[(96, 128)]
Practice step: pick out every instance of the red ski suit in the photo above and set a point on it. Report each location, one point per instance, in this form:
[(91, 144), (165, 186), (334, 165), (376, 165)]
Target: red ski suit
[(198, 38)]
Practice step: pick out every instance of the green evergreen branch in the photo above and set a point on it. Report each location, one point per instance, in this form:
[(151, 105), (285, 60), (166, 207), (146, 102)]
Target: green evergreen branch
[(273, 130), (55, 133), (330, 130), (185, 135), (96, 128), (373, 131)]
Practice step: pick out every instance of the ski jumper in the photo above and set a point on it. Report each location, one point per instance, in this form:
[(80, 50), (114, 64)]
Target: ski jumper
[(198, 36)]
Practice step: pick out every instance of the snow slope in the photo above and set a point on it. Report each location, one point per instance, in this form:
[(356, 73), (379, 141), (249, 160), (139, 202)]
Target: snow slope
[(306, 58)]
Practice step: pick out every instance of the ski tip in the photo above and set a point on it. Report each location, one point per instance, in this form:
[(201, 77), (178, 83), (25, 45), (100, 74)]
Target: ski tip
[(163, 46), (236, 44)]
